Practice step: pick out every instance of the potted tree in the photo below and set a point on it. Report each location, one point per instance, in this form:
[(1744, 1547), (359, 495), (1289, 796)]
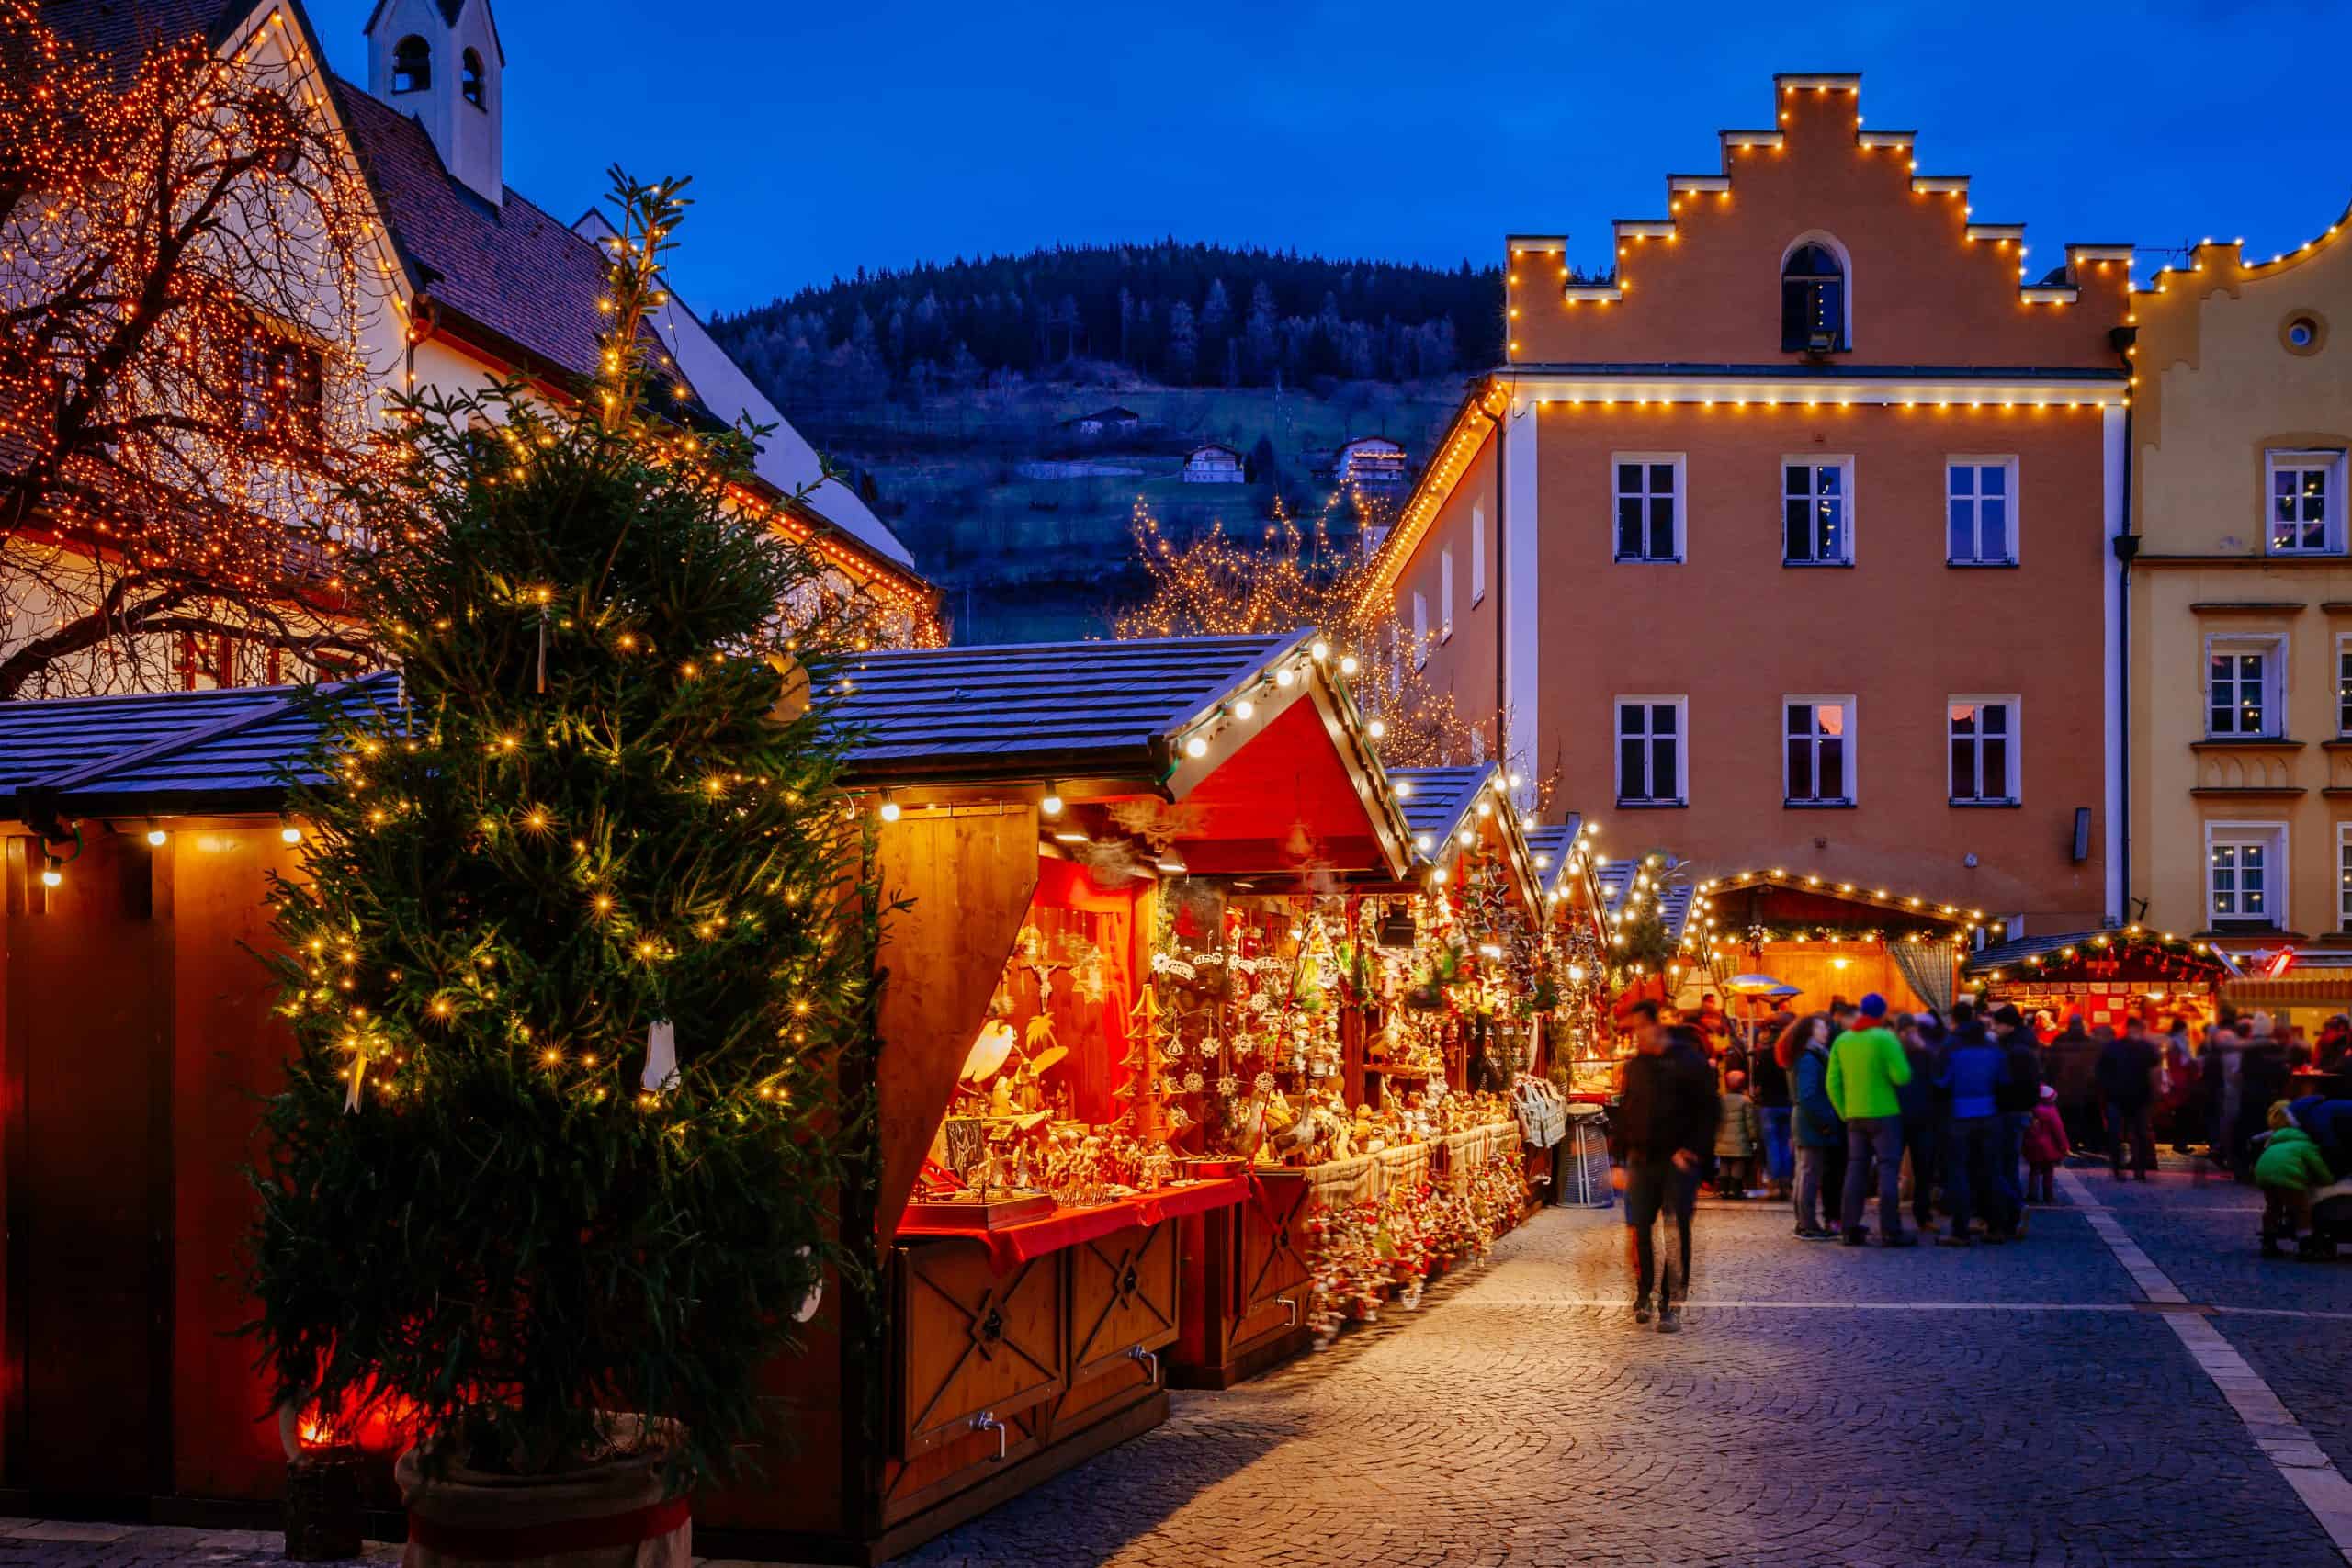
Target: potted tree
[(571, 973)]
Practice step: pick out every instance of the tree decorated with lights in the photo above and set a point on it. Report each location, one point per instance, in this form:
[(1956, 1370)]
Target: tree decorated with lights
[(582, 945), (1294, 576), (188, 268)]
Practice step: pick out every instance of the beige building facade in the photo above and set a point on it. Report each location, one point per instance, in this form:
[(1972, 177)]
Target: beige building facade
[(2239, 574)]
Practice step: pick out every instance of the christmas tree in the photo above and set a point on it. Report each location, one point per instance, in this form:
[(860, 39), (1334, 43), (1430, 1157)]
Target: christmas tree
[(582, 949)]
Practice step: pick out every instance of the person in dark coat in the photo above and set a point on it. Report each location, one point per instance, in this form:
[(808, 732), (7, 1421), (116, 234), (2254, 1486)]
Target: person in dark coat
[(1664, 1133), (2126, 1074), (1923, 1115), (2263, 1079), (2013, 1107), (1769, 1082), (1814, 1123), (2072, 1071)]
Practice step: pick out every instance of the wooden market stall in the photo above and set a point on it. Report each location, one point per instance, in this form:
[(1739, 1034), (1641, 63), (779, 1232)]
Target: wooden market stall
[(137, 835), (1049, 811), (1834, 939), (2110, 977), (1355, 1208), (1029, 805)]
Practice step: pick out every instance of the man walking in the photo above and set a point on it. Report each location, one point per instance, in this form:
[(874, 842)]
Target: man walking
[(2013, 1107), (1665, 1130), (1866, 1066), (2126, 1084)]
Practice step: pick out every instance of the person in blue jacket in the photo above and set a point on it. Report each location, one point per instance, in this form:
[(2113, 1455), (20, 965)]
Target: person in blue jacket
[(1975, 1070)]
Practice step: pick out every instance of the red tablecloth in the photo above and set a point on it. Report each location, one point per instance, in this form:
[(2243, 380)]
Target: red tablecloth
[(1016, 1244)]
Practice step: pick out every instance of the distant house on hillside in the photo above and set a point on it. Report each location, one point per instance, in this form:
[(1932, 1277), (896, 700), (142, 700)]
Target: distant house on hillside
[(1371, 463), (1213, 465), (1112, 421)]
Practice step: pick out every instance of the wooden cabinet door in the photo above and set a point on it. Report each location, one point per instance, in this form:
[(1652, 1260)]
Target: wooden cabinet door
[(972, 1342), (1272, 1242), (1122, 1296)]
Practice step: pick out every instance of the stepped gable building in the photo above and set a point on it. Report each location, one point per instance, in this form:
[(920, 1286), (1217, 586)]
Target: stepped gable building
[(1796, 537), (2240, 687)]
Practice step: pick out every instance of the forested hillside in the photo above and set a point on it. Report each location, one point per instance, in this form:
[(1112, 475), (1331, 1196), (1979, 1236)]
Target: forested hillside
[(952, 389), (1181, 315)]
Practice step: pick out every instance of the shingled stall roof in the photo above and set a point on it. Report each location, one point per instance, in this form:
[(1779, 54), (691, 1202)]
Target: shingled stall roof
[(1436, 802), (1046, 711), (1551, 844), (165, 752), (1616, 880), (1268, 756)]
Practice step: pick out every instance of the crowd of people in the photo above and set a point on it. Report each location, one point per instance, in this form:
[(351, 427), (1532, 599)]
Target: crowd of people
[(1968, 1114)]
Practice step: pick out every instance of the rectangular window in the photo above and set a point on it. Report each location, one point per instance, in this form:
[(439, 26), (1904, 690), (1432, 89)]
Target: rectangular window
[(2343, 877), (1477, 555), (1650, 757), (1817, 512), (1445, 594), (1984, 733), (1818, 761), (1648, 491), (2246, 880), (1980, 509), (2343, 687), (2305, 502), (1420, 629), (281, 389), (2242, 696)]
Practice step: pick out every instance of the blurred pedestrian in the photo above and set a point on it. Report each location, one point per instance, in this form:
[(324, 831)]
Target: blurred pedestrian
[(1925, 1115), (1664, 1133), (2127, 1070)]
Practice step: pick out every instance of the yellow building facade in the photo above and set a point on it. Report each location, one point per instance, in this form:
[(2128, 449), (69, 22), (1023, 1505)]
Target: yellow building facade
[(2239, 576)]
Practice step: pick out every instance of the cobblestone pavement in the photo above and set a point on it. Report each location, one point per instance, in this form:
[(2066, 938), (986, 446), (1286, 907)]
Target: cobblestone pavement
[(2021, 1406)]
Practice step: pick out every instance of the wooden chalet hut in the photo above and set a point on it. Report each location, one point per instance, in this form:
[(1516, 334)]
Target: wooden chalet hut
[(1018, 790)]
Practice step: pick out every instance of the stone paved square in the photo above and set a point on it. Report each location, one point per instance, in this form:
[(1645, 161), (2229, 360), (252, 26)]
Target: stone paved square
[(2012, 1405)]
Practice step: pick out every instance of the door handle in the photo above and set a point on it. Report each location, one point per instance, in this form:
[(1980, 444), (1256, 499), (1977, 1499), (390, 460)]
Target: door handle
[(1291, 1303), (1150, 1360), (986, 1421)]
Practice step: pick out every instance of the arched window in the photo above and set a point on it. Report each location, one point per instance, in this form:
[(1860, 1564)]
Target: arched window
[(1813, 300), (469, 78), (411, 65)]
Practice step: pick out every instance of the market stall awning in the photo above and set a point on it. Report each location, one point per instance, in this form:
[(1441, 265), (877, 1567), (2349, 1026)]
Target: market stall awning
[(2329, 987), (1452, 810), (167, 752), (1620, 878), (2129, 955), (1553, 845)]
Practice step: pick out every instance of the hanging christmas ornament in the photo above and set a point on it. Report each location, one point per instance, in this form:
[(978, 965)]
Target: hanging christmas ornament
[(661, 1055)]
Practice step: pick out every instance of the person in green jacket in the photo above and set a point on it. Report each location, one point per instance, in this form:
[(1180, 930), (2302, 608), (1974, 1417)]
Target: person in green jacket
[(1866, 1066), (2291, 1168)]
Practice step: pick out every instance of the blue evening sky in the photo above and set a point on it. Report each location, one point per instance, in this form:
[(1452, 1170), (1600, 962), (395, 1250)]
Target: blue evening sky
[(825, 134)]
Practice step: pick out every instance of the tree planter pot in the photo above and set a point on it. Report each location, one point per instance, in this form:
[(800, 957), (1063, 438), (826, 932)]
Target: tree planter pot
[(614, 1513)]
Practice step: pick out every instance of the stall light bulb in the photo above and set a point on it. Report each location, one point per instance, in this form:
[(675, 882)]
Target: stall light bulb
[(1244, 708), (889, 812), (1283, 677), (1321, 650), (290, 834), (1403, 789), (1376, 729), (49, 875), (1347, 665), (1196, 747), (156, 836), (1051, 806)]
